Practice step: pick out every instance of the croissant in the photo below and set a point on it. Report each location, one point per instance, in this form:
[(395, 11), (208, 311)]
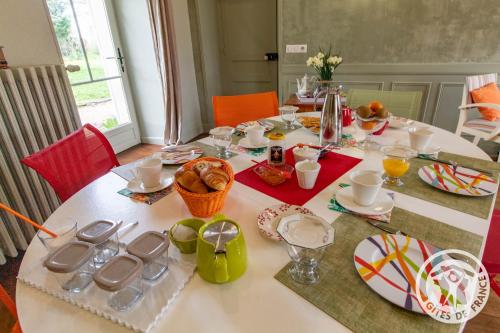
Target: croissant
[(215, 178), (197, 167), (190, 181)]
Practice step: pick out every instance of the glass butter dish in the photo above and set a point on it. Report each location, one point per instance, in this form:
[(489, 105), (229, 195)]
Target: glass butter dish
[(152, 248), (72, 265), (121, 276), (104, 235)]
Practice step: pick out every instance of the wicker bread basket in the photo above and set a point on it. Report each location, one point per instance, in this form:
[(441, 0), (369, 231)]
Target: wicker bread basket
[(208, 204)]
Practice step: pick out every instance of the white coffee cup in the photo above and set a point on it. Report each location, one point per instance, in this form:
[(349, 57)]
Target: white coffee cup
[(365, 186), (307, 173), (255, 134), (149, 172), (420, 137)]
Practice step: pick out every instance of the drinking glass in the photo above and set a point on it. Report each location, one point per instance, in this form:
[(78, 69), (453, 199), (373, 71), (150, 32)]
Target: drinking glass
[(222, 139), (305, 263), (396, 163), (65, 234), (370, 126), (287, 113)]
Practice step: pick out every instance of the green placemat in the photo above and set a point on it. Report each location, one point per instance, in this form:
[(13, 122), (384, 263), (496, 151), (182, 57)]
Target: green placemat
[(416, 187), (344, 296)]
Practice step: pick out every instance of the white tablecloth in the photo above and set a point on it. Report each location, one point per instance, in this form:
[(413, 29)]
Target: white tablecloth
[(254, 303)]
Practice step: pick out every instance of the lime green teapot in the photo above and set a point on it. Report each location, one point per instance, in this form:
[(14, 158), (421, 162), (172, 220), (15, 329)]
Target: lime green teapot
[(221, 251)]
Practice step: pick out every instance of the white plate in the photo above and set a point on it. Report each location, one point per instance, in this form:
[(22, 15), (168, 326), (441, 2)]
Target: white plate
[(136, 186), (430, 150), (179, 154), (266, 124), (399, 122), (391, 280), (269, 218), (311, 232), (461, 181), (245, 143), (383, 203)]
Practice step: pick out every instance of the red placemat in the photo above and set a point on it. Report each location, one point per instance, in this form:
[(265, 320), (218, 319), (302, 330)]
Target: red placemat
[(333, 166)]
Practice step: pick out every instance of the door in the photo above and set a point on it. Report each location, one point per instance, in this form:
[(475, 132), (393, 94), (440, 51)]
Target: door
[(247, 32), (90, 47)]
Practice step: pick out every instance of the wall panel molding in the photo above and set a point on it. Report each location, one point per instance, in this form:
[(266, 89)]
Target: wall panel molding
[(446, 111), (440, 84), (425, 93)]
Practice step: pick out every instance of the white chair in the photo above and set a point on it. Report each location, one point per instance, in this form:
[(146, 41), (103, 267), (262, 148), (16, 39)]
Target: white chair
[(476, 126)]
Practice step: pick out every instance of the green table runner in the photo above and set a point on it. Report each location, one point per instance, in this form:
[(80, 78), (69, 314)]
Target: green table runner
[(416, 187), (343, 295)]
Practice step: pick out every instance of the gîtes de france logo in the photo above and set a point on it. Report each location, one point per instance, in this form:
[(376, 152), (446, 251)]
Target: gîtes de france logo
[(452, 286)]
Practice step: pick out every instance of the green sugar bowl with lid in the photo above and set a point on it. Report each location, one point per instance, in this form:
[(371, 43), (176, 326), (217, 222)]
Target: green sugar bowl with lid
[(221, 251)]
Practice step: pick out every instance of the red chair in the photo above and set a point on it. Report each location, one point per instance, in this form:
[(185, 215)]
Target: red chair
[(491, 257), (233, 110), (73, 162), (10, 306)]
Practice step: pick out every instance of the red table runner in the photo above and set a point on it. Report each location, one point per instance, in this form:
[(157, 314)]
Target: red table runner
[(333, 166)]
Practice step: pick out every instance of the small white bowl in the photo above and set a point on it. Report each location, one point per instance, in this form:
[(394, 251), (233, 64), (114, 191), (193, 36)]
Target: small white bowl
[(305, 153)]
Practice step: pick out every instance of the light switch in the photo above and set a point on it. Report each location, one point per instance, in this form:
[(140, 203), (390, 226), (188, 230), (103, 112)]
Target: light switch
[(296, 48)]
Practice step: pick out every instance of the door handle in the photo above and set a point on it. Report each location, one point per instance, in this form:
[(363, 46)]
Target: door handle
[(72, 68), (120, 59), (271, 56)]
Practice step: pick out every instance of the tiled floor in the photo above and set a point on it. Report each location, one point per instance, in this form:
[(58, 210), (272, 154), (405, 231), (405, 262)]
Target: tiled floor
[(487, 321)]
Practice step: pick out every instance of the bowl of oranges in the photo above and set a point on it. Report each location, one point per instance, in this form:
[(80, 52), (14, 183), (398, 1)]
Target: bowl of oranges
[(371, 118)]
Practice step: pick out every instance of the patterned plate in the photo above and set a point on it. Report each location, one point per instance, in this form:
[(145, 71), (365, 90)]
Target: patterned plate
[(458, 180), (179, 154), (389, 265), (264, 123), (269, 218)]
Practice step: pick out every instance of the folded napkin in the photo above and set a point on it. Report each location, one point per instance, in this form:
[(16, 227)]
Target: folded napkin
[(149, 198), (334, 205)]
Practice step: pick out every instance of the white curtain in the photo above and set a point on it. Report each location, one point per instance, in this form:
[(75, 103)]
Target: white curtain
[(166, 59)]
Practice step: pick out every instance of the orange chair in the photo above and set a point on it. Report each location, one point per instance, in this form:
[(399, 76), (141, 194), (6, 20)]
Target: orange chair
[(233, 110), (9, 304)]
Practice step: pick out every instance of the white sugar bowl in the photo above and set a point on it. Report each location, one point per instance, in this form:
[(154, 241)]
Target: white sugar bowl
[(305, 153)]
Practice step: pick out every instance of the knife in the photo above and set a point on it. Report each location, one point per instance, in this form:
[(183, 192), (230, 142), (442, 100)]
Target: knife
[(384, 227)]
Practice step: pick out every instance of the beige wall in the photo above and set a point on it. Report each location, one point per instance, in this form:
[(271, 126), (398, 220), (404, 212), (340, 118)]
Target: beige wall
[(417, 45), (394, 31), (26, 33)]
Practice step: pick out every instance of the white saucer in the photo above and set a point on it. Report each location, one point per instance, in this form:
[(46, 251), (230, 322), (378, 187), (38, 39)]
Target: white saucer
[(245, 143), (430, 150), (383, 203), (136, 186)]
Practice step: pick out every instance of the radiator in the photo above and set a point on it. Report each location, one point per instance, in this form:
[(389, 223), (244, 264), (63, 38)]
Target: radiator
[(37, 108)]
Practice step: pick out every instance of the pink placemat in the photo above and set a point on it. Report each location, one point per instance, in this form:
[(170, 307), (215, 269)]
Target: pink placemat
[(333, 166)]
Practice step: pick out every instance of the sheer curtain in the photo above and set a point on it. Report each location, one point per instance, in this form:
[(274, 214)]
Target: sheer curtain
[(166, 59)]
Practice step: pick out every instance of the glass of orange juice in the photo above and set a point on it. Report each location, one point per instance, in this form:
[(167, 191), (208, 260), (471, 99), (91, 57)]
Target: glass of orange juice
[(396, 163)]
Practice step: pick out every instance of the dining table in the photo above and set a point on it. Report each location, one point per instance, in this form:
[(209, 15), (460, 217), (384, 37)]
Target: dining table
[(256, 302)]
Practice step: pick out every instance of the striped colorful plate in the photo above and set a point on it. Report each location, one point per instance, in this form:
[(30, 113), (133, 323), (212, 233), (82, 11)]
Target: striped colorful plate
[(458, 180), (389, 265)]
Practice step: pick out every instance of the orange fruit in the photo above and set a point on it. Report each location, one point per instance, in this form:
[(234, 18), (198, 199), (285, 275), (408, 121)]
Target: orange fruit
[(368, 125), (375, 105)]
